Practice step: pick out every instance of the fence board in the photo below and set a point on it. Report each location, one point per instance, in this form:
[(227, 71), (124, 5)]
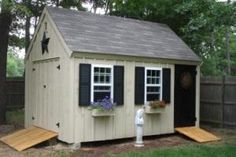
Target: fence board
[(218, 100), (15, 89)]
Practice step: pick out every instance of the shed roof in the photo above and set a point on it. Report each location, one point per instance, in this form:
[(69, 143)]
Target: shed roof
[(102, 34)]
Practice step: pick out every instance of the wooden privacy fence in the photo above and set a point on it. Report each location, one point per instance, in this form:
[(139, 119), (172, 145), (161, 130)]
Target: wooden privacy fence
[(15, 88), (218, 100)]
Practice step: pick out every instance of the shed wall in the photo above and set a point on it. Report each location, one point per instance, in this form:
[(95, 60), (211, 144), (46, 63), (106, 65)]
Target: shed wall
[(49, 98), (58, 102), (197, 123), (88, 128)]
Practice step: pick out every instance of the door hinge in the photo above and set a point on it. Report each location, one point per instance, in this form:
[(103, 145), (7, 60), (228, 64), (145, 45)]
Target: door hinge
[(58, 125), (58, 67)]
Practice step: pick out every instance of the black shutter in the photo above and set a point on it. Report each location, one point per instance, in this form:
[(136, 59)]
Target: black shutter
[(119, 85), (84, 84), (166, 85), (139, 85)]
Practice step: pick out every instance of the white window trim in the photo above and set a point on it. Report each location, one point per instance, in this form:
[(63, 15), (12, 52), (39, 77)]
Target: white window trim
[(98, 84), (157, 85)]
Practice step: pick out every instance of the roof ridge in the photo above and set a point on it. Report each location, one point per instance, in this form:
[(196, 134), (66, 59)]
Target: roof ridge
[(105, 15)]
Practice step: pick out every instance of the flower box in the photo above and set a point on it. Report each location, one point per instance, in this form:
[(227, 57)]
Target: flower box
[(151, 110), (102, 113), (102, 108)]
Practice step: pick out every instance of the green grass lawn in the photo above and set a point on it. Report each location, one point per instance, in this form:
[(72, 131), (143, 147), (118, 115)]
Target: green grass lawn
[(193, 150)]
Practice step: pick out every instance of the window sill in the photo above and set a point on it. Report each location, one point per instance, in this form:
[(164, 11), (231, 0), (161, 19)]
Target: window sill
[(100, 113), (150, 110)]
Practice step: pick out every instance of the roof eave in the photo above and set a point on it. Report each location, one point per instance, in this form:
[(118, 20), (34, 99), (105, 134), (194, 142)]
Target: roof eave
[(92, 55)]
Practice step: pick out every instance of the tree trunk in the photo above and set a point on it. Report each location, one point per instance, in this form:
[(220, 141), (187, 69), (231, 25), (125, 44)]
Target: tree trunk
[(27, 33), (5, 22), (227, 40), (107, 7), (36, 15), (57, 3), (228, 51)]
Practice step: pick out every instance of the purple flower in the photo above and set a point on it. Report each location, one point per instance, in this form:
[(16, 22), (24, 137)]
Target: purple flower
[(104, 104)]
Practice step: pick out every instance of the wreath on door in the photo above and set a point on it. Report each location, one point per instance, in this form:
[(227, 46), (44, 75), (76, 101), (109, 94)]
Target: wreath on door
[(186, 80)]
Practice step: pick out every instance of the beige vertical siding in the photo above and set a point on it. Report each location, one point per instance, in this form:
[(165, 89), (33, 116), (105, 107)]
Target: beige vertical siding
[(46, 104), (28, 95), (53, 104), (198, 95), (88, 128)]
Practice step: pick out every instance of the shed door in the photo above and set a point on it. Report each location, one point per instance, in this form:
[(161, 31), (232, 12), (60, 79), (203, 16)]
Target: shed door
[(185, 95), (47, 100)]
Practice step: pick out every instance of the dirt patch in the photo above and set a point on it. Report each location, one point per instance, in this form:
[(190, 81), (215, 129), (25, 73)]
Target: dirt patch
[(226, 134), (155, 142)]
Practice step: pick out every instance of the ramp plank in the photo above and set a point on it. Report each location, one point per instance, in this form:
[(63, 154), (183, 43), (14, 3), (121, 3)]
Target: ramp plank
[(27, 138), (197, 134)]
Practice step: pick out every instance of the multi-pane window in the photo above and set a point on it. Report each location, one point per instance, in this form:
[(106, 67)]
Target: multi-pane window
[(101, 82), (153, 84)]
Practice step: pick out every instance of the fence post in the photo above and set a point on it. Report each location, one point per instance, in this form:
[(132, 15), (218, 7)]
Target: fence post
[(222, 101)]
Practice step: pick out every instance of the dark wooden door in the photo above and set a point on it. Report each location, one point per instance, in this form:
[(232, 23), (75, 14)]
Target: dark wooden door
[(185, 95)]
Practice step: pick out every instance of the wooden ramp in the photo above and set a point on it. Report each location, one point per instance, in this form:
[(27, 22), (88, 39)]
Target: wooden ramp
[(27, 138), (197, 134)]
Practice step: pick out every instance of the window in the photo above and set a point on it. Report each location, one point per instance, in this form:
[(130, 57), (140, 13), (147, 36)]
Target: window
[(153, 84), (102, 82), (98, 81)]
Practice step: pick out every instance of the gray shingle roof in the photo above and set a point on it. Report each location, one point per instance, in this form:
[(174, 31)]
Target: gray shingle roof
[(87, 32)]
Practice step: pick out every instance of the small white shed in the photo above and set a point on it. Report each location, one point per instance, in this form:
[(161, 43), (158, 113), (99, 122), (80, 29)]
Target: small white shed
[(77, 57)]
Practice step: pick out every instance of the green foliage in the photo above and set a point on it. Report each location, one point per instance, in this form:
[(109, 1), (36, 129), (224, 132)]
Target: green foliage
[(15, 65), (71, 3), (151, 10), (15, 40), (202, 24), (205, 32), (20, 11), (31, 10)]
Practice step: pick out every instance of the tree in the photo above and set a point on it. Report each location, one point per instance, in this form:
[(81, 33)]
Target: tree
[(5, 22), (34, 10), (15, 16), (205, 25), (9, 9), (151, 10), (15, 65), (209, 32)]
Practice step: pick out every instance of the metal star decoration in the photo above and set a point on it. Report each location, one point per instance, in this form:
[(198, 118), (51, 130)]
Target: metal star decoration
[(44, 43)]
